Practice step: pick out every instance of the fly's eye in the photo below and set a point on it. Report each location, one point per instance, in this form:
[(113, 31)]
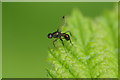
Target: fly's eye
[(50, 35)]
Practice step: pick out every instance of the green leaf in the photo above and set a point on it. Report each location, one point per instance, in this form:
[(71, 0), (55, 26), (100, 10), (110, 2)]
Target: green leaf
[(94, 50)]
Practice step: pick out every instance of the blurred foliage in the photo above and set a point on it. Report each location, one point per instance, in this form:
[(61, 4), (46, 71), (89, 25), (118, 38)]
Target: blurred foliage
[(94, 53)]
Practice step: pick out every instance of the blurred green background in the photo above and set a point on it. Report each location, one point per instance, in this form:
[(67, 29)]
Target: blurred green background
[(25, 29)]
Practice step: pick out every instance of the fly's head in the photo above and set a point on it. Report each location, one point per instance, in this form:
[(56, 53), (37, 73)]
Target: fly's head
[(50, 35)]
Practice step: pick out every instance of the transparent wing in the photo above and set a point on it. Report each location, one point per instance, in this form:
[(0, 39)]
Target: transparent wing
[(62, 24)]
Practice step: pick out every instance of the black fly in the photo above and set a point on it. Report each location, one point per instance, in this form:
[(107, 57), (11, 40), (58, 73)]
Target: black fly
[(59, 35)]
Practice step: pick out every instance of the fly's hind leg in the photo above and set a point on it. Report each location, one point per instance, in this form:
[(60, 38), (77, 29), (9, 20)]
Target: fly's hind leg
[(63, 45), (62, 42), (54, 42), (71, 42), (68, 32)]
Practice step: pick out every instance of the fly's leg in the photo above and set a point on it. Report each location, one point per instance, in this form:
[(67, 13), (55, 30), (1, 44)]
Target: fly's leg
[(68, 32), (71, 42), (62, 42), (54, 42), (63, 45)]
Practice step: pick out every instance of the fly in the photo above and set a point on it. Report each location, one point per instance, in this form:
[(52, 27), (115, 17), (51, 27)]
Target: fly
[(59, 35)]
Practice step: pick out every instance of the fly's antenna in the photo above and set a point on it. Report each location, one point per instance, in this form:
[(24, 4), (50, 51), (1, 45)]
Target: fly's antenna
[(63, 24)]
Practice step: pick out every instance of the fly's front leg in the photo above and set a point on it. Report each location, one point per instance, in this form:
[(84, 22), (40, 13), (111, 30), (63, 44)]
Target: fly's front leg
[(54, 42)]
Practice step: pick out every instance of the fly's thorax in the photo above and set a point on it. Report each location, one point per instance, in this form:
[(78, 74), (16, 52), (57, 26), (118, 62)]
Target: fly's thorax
[(62, 37), (57, 34)]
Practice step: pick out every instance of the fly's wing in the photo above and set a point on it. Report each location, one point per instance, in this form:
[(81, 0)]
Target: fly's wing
[(62, 24)]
